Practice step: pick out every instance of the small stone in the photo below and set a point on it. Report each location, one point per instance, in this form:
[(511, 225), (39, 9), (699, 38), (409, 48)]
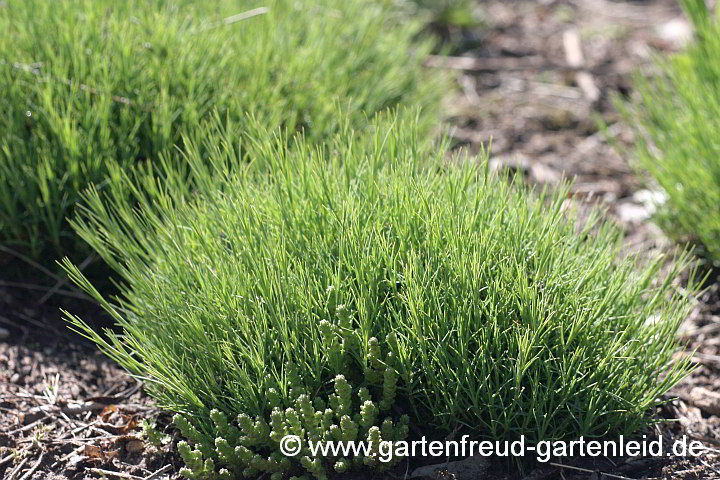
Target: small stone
[(651, 200), (706, 400), (516, 163), (541, 173), (676, 32), (632, 212), (135, 446)]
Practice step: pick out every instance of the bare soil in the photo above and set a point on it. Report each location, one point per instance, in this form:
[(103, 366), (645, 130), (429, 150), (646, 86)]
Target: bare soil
[(536, 79)]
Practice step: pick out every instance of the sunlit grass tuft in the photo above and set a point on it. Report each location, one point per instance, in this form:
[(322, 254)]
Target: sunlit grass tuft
[(90, 83), (678, 141), (500, 315)]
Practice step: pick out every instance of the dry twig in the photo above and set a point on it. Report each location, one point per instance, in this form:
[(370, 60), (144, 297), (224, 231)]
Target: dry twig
[(587, 470), (29, 473)]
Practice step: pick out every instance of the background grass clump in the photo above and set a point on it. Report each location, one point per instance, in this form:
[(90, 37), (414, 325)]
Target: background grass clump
[(90, 83), (493, 312), (678, 120)]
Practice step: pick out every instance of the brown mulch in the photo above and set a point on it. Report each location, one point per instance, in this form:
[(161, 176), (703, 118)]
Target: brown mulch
[(535, 80), (66, 411)]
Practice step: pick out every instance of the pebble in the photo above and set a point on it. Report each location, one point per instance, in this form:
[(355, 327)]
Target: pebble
[(676, 32), (632, 213)]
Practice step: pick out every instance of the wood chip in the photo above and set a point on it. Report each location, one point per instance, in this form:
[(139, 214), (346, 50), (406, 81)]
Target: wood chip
[(93, 451), (472, 64), (575, 59)]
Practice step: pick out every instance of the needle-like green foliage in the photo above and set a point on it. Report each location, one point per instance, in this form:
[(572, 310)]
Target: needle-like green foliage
[(678, 120), (87, 83), (501, 316)]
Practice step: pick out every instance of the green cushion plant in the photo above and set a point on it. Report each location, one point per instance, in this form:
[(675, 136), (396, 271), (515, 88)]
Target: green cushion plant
[(434, 288), (89, 83), (677, 119)]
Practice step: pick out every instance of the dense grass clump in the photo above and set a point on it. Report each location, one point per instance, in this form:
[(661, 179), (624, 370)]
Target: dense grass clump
[(489, 309), (90, 83), (678, 120)]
